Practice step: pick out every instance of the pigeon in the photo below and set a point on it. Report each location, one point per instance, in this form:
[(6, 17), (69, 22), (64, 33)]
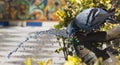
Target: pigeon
[(90, 19)]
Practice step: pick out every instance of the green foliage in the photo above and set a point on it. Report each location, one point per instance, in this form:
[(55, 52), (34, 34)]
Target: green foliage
[(117, 15), (74, 7), (58, 50), (68, 13)]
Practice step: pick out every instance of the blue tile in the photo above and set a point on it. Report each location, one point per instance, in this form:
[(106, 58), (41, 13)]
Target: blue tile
[(34, 24), (4, 23)]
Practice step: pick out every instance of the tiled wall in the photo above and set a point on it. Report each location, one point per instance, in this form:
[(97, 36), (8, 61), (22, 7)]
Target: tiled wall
[(43, 10)]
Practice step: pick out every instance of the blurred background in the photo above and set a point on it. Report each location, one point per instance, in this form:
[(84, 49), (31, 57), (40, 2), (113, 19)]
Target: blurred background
[(15, 11)]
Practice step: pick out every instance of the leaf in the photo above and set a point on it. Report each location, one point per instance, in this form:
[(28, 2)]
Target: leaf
[(57, 27), (78, 1), (74, 59), (107, 1), (118, 57), (40, 63), (71, 1), (101, 2), (92, 5), (109, 6), (48, 62), (28, 61), (59, 50), (60, 13)]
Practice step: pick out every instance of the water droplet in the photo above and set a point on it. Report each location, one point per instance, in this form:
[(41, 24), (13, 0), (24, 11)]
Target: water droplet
[(9, 54), (36, 35)]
